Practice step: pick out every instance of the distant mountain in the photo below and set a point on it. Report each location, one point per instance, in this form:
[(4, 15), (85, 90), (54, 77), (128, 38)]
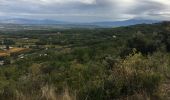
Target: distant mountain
[(124, 23), (100, 24)]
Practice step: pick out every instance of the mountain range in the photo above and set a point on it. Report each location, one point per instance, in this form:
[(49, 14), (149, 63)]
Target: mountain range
[(99, 24)]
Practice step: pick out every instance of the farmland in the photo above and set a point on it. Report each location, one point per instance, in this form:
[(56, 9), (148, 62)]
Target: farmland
[(12, 50)]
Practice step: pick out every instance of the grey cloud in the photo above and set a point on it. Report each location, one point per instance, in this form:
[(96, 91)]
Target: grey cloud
[(146, 6), (101, 10)]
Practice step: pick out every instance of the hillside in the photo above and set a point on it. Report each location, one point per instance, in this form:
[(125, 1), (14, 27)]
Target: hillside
[(130, 62)]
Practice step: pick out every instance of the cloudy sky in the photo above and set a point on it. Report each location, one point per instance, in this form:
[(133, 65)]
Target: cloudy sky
[(85, 10)]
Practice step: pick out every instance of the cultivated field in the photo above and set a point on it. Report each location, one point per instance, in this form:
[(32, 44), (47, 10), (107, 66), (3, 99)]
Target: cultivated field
[(14, 50)]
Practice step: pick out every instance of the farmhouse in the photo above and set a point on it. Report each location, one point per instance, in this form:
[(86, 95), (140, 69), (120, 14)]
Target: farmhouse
[(2, 47)]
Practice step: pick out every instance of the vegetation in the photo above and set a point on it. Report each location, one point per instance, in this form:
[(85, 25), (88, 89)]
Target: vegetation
[(88, 64)]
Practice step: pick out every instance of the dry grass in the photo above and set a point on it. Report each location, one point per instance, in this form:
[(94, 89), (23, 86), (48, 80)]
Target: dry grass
[(3, 54), (16, 50), (12, 50), (46, 93)]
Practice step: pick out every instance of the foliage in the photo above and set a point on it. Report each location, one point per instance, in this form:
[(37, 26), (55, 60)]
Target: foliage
[(89, 64)]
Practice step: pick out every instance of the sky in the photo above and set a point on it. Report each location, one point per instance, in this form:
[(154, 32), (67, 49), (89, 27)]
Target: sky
[(85, 10)]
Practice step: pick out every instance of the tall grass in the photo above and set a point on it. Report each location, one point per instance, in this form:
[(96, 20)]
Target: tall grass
[(136, 77)]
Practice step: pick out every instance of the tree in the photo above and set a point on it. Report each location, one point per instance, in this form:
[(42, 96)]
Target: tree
[(142, 43), (8, 42)]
